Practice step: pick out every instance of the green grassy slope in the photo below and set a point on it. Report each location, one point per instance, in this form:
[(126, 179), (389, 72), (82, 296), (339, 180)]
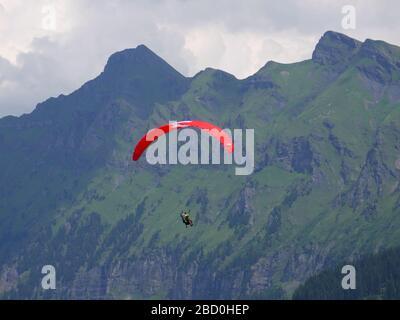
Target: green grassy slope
[(325, 186)]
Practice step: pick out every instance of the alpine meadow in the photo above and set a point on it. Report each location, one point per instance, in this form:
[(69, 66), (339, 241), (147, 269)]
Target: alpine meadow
[(325, 187)]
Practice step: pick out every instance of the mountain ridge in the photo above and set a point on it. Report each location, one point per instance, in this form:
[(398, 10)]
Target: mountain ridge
[(142, 53), (324, 188)]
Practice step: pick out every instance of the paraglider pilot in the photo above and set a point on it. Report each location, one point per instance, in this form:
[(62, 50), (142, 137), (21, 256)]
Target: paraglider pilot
[(186, 218)]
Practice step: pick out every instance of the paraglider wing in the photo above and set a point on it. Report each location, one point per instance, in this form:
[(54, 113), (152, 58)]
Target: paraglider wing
[(154, 134)]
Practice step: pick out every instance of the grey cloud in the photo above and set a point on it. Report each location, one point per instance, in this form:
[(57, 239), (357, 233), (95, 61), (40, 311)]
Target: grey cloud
[(60, 62)]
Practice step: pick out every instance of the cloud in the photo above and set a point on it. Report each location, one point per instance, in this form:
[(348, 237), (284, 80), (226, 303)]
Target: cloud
[(40, 58)]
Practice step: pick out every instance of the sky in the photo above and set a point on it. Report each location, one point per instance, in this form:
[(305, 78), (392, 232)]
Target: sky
[(52, 47)]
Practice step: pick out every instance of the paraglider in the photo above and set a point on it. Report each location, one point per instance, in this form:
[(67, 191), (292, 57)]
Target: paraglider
[(186, 218), (154, 134)]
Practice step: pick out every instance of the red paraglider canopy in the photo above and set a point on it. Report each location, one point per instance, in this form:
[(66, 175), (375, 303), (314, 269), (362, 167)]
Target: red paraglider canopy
[(154, 134)]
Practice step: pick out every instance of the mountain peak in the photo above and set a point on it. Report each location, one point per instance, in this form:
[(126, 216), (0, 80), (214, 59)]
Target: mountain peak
[(334, 47), (141, 56), (142, 71), (136, 75), (377, 47), (380, 61), (213, 73)]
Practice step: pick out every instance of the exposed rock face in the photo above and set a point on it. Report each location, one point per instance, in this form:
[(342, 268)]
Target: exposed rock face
[(369, 185), (306, 261), (334, 48), (385, 58), (157, 271), (242, 212), (8, 278), (274, 221), (296, 155)]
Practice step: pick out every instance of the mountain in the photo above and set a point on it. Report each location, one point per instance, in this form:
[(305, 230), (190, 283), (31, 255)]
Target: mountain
[(324, 190), (377, 276)]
